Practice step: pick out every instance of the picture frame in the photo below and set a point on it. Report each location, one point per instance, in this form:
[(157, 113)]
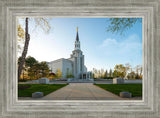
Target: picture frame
[(146, 108)]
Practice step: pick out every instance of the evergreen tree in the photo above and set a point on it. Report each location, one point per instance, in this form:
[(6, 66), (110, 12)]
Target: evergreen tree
[(110, 73), (106, 73)]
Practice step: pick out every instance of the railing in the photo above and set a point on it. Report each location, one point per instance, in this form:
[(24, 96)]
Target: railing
[(70, 80)]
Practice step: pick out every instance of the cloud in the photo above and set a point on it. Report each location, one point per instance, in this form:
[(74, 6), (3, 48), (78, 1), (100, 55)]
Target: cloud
[(109, 43), (129, 48)]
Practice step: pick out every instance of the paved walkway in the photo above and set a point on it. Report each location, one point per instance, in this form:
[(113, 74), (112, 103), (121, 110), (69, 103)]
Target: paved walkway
[(81, 91)]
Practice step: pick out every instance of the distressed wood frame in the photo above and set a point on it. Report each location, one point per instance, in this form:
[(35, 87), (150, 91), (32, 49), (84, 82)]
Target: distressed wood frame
[(149, 107)]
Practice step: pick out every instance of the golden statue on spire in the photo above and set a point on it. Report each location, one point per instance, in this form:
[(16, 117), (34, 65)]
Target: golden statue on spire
[(77, 28)]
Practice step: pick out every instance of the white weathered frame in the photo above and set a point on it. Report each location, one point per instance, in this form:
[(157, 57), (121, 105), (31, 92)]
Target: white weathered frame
[(149, 107)]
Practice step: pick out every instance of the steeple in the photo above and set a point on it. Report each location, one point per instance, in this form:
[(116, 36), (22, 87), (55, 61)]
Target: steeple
[(77, 37), (77, 42)]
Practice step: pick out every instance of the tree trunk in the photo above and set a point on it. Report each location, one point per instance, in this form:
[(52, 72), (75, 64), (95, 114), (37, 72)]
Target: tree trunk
[(23, 74), (24, 53)]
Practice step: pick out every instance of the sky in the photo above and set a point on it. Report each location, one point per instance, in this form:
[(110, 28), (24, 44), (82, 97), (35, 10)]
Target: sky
[(102, 49)]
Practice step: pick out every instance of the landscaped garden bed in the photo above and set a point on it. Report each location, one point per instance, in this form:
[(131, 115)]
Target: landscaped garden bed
[(26, 90), (135, 89)]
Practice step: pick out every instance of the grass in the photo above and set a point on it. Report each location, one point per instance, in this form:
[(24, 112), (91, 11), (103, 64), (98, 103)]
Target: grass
[(135, 89), (24, 91)]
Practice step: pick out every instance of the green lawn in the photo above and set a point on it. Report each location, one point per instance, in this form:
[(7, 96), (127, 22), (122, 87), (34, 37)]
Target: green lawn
[(26, 90), (135, 89)]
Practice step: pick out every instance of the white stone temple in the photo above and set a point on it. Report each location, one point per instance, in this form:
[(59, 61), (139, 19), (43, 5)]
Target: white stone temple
[(73, 65)]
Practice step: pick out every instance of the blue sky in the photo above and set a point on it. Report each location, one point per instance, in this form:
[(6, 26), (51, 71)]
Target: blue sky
[(102, 49)]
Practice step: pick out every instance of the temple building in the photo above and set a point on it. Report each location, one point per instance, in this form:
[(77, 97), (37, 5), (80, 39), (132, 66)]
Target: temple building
[(74, 65)]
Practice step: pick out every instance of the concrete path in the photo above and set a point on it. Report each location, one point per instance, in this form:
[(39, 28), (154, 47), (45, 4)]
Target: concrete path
[(81, 91)]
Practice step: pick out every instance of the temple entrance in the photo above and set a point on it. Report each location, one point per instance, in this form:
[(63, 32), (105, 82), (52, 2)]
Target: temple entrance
[(87, 75), (84, 76)]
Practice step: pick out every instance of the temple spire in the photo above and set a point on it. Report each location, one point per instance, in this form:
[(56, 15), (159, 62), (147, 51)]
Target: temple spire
[(77, 37), (77, 42)]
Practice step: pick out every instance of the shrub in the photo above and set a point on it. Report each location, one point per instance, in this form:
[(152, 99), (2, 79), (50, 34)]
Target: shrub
[(108, 78), (70, 76), (22, 80), (22, 87)]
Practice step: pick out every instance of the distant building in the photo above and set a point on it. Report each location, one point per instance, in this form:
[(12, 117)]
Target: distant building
[(73, 65)]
